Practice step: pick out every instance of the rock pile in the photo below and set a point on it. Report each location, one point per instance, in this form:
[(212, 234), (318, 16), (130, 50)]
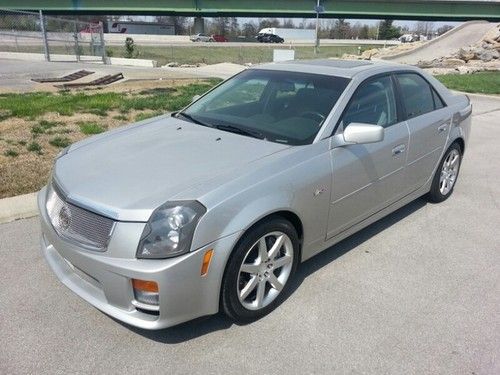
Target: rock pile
[(484, 55), (377, 53)]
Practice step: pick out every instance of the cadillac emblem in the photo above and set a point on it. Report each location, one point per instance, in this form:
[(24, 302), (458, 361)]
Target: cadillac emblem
[(64, 218)]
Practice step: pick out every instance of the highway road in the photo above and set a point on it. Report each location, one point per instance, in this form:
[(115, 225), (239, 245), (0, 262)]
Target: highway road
[(415, 293), (24, 38)]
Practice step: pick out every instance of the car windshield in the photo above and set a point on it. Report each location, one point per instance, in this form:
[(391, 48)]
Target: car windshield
[(279, 106)]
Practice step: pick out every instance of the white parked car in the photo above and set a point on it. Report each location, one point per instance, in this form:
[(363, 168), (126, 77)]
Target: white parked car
[(201, 38)]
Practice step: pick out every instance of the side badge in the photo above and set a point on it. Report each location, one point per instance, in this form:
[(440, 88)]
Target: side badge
[(319, 191)]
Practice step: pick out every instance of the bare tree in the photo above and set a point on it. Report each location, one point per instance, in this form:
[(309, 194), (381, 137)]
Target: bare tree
[(180, 23), (443, 29), (249, 29), (424, 27)]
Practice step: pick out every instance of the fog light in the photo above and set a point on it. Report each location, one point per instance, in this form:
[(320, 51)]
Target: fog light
[(146, 291)]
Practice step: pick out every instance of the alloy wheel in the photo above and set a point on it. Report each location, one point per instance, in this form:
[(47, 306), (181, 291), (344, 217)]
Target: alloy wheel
[(449, 172), (265, 270)]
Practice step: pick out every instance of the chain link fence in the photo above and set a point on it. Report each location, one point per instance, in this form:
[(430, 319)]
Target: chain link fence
[(58, 39)]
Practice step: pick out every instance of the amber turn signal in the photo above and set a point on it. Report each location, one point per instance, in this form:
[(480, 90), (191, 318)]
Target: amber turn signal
[(206, 262), (144, 285)]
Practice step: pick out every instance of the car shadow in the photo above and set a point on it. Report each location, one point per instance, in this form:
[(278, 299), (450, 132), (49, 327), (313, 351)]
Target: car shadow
[(205, 325)]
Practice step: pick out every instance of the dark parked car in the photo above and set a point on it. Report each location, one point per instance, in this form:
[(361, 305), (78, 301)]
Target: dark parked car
[(269, 38)]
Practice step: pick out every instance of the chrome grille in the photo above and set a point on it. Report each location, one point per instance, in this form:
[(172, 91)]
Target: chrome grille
[(74, 223)]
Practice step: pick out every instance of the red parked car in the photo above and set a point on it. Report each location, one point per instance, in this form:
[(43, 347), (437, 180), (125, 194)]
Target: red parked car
[(219, 38)]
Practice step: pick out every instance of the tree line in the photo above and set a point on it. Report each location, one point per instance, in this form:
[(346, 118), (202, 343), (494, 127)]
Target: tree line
[(329, 28), (233, 27)]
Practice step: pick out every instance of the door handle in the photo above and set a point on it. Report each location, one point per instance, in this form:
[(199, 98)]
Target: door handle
[(398, 150), (442, 128)]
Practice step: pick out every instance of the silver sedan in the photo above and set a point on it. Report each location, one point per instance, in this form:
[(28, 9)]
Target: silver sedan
[(214, 207)]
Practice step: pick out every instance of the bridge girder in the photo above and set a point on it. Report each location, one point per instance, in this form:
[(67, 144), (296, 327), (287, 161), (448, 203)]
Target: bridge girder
[(461, 10)]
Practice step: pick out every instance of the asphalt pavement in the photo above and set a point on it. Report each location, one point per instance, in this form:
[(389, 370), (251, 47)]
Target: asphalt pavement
[(415, 293)]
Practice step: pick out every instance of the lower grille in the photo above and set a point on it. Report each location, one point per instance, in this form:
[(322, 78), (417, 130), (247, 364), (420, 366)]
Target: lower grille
[(76, 224)]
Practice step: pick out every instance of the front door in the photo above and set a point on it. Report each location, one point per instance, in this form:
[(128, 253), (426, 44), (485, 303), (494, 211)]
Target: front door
[(368, 177)]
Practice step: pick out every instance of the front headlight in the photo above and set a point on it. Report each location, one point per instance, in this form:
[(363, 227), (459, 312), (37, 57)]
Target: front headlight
[(170, 230)]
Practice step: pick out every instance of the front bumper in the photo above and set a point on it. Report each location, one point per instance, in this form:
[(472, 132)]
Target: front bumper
[(104, 279)]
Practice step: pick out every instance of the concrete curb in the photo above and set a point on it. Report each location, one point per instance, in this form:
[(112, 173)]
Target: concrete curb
[(489, 96), (19, 207)]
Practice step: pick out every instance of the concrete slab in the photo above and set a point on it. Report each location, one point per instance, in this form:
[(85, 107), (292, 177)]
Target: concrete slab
[(15, 75), (20, 207)]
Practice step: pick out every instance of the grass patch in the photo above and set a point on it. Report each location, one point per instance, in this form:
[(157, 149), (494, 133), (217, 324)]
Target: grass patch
[(157, 90), (60, 142), (11, 153), (98, 111), (29, 144), (35, 147), (32, 105), (90, 128), (44, 126), (146, 115), (210, 54), (481, 82), (4, 114)]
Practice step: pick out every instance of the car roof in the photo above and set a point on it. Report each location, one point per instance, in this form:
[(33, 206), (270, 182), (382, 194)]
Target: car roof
[(333, 67)]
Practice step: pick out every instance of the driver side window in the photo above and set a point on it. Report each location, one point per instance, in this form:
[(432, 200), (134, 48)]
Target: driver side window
[(372, 103)]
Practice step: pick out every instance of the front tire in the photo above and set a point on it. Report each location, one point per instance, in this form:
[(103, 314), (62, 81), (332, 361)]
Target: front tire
[(258, 273), (446, 175)]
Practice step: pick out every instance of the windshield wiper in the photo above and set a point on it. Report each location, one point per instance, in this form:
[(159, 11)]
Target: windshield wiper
[(237, 130), (228, 128), (192, 119)]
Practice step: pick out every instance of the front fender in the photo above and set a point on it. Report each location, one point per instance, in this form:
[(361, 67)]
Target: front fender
[(300, 183), (240, 213)]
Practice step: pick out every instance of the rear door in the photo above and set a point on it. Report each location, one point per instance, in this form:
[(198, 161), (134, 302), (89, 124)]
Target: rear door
[(369, 177), (429, 123)]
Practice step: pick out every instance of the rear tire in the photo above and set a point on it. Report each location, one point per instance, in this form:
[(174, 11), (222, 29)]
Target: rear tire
[(446, 175), (258, 274)]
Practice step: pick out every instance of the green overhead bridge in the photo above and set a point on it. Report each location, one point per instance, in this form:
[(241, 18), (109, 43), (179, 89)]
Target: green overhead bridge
[(457, 10)]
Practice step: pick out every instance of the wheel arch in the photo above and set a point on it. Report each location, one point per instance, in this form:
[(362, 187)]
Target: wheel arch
[(286, 214), (461, 142)]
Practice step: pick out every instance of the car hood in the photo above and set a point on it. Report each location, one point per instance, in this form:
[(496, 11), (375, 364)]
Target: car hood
[(126, 173)]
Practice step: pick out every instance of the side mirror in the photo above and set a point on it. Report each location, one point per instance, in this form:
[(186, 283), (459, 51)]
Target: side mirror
[(195, 98), (358, 133)]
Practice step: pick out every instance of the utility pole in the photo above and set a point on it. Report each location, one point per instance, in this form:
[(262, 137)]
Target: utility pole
[(44, 36), (319, 9)]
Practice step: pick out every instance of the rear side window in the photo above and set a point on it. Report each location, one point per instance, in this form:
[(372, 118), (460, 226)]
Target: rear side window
[(416, 94), (438, 102)]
